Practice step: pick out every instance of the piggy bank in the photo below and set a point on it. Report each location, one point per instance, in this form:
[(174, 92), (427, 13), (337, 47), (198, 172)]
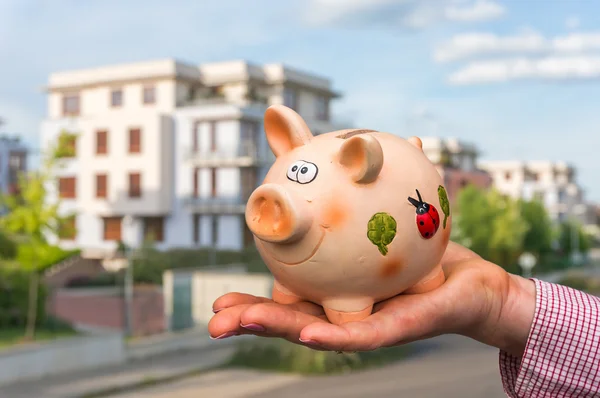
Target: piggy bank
[(348, 218)]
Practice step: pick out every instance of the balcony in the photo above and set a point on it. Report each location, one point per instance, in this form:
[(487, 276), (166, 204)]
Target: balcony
[(247, 155), (216, 205)]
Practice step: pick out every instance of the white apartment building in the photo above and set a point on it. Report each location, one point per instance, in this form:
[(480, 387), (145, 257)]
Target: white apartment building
[(177, 147), (13, 160), (456, 162), (552, 183)]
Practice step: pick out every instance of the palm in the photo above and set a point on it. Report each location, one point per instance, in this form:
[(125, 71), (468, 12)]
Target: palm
[(453, 307)]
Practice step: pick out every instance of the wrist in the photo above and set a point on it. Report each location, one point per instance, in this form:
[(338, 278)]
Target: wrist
[(515, 319)]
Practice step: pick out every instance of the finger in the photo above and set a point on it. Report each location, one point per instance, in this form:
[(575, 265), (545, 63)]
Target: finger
[(228, 322), (275, 320), (400, 320), (233, 299)]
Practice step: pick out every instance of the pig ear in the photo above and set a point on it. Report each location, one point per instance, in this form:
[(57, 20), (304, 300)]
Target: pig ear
[(362, 156), (285, 129), (416, 141)]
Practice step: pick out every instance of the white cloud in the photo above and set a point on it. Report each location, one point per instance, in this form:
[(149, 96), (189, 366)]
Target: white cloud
[(414, 14), (322, 12), (481, 10), (572, 23), (528, 42), (548, 68)]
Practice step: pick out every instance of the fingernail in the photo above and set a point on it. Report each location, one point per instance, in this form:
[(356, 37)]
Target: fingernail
[(310, 342), (224, 336), (254, 327)]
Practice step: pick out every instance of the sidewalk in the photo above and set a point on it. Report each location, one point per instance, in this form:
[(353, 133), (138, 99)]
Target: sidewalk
[(134, 374)]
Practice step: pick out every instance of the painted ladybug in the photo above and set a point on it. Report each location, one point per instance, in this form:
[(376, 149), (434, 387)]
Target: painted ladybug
[(428, 218)]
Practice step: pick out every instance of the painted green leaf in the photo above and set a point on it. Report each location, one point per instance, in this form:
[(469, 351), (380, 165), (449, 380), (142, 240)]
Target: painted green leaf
[(381, 231), (444, 202)]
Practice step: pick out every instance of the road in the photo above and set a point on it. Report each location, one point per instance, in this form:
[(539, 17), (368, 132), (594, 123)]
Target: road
[(449, 366)]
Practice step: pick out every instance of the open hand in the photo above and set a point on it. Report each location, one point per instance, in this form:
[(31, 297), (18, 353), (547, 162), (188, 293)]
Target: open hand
[(478, 300)]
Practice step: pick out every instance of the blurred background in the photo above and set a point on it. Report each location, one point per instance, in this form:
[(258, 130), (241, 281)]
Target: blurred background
[(131, 135)]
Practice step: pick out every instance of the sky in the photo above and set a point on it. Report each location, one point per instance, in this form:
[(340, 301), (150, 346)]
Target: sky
[(520, 79)]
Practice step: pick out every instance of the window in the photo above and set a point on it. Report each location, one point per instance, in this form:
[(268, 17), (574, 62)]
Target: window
[(196, 182), (135, 140), (322, 108), (213, 182), (112, 228), (116, 98), (67, 145), (67, 187), (135, 185), (153, 229), (68, 229), (213, 136), (149, 95), (71, 105), (290, 98), (101, 185), (507, 175), (196, 228), (101, 142), (215, 230)]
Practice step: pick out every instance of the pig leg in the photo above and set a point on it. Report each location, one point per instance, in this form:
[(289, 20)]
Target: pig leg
[(432, 281), (347, 310), (283, 296)]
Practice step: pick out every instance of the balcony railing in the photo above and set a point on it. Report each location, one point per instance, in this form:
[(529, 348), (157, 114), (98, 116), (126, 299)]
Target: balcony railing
[(217, 204), (247, 154)]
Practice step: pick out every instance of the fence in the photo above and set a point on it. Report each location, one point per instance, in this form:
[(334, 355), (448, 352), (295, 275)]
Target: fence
[(189, 294)]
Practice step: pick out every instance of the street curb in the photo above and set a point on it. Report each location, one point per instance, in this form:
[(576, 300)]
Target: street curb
[(150, 381)]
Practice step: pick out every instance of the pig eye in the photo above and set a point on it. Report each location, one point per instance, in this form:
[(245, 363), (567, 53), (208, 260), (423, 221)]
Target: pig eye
[(292, 173), (307, 173)]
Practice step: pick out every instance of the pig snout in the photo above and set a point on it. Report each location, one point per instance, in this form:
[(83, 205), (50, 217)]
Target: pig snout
[(276, 215)]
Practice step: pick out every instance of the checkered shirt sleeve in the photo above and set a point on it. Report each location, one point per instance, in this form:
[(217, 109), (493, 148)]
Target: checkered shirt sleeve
[(562, 356)]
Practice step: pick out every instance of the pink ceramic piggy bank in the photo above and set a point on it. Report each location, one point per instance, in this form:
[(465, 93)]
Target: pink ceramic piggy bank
[(348, 218)]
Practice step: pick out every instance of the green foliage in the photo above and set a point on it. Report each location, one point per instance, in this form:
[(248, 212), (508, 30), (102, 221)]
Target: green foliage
[(14, 296), (282, 356), (65, 147), (490, 224), (565, 237), (32, 219), (150, 263), (8, 248), (42, 257), (539, 236)]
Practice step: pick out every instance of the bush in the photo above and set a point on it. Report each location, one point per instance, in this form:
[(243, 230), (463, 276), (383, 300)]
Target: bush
[(107, 279), (14, 295), (149, 263), (283, 356), (581, 282)]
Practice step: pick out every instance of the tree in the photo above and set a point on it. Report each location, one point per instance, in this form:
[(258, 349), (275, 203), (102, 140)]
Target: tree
[(565, 240), (538, 239), (8, 248), (32, 220), (490, 224)]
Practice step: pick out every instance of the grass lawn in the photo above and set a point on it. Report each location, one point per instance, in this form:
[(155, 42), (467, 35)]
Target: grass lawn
[(11, 337), (281, 356)]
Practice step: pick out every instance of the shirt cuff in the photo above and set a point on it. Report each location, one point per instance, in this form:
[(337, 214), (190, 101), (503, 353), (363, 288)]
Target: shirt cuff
[(561, 358)]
